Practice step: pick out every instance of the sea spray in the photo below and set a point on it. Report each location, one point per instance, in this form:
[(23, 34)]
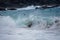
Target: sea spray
[(37, 19)]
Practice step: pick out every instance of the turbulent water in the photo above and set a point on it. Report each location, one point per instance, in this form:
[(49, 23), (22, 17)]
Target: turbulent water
[(13, 22)]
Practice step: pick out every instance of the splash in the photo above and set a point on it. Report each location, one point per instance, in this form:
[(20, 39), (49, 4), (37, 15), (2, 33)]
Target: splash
[(6, 22), (39, 22), (36, 22), (33, 19)]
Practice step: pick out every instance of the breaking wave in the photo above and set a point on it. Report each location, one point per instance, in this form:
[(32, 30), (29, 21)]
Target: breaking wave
[(30, 24), (33, 19), (36, 22)]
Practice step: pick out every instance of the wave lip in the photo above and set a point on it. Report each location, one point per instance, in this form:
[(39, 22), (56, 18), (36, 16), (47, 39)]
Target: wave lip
[(26, 8)]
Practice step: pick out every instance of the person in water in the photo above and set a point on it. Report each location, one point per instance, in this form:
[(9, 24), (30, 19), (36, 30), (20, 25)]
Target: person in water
[(29, 24)]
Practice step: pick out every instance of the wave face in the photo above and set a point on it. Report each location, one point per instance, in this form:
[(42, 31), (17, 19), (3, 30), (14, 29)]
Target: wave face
[(36, 18)]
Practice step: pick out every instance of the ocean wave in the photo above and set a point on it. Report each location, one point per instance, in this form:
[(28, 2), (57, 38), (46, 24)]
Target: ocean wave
[(35, 22)]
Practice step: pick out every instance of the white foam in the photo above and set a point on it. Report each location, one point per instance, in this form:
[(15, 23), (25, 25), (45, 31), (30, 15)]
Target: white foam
[(7, 22), (26, 8), (38, 22), (8, 30)]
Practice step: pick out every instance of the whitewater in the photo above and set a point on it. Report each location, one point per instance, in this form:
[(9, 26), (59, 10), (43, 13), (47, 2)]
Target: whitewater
[(45, 24)]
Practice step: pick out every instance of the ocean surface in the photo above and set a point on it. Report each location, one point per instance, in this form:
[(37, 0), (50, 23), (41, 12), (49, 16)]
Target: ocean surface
[(44, 24)]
